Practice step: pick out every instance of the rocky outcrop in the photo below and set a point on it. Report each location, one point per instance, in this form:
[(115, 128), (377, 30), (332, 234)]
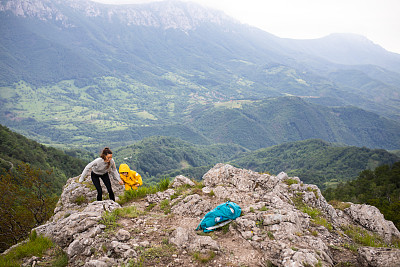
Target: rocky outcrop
[(284, 222), (166, 15)]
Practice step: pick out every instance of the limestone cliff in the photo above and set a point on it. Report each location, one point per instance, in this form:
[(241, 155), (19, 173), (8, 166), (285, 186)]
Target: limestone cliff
[(283, 223)]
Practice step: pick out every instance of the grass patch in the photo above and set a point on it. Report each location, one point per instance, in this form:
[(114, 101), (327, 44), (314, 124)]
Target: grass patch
[(143, 191), (203, 258), (109, 219), (362, 237), (211, 194), (339, 205), (61, 259), (80, 200), (291, 181), (264, 208), (150, 206), (155, 255), (322, 221), (270, 235), (35, 246), (315, 214), (165, 206)]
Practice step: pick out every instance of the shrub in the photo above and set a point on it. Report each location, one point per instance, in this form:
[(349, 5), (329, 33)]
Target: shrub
[(291, 181), (35, 246)]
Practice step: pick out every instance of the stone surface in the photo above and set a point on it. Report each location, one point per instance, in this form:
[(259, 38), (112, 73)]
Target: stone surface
[(273, 228), (181, 180)]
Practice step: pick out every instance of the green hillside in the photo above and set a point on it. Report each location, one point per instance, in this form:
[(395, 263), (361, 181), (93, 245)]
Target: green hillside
[(273, 121), (31, 179), (15, 149), (316, 161), (155, 157)]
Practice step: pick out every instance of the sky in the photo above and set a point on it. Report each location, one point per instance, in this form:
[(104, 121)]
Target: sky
[(378, 20)]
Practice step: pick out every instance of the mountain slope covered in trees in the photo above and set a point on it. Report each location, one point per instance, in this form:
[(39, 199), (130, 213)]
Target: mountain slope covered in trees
[(31, 179), (379, 187), (316, 161), (142, 70)]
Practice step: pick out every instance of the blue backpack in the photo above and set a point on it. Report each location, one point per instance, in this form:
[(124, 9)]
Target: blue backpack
[(220, 216)]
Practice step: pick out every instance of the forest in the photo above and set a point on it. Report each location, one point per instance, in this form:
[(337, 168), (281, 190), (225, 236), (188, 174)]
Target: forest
[(379, 187), (31, 180)]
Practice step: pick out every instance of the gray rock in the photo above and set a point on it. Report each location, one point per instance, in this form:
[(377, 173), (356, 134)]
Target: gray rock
[(378, 257), (192, 205), (159, 196), (187, 239), (371, 218), (123, 235), (182, 180)]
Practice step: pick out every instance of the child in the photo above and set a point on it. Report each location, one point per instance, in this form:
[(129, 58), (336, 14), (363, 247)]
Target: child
[(131, 178)]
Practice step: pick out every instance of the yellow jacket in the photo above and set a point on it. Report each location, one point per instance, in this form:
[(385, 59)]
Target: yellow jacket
[(133, 178)]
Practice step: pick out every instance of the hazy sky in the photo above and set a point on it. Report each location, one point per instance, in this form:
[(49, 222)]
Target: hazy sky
[(378, 20)]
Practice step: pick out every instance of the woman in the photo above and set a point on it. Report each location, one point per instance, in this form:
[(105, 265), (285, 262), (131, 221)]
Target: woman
[(101, 167)]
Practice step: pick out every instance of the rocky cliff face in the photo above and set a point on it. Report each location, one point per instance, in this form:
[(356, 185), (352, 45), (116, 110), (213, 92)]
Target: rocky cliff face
[(165, 15), (283, 223)]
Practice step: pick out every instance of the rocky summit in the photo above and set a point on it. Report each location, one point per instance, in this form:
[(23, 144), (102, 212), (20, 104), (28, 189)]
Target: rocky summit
[(284, 222)]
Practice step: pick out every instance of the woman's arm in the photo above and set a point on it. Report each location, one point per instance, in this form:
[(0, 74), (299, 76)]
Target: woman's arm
[(86, 170)]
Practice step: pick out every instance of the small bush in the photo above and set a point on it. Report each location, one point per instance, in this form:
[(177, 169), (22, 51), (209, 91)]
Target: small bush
[(270, 235), (322, 221), (291, 181), (164, 205), (163, 184), (314, 213), (80, 200), (61, 259), (109, 219), (264, 208)]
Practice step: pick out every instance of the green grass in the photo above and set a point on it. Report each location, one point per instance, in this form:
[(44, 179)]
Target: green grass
[(154, 255), (203, 258), (291, 181), (362, 237), (110, 219), (143, 191), (35, 246), (165, 206), (339, 205), (80, 200)]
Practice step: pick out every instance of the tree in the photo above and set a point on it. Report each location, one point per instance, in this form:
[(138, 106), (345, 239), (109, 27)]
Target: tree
[(25, 203)]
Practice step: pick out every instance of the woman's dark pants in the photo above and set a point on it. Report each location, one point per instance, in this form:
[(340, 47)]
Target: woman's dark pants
[(107, 183)]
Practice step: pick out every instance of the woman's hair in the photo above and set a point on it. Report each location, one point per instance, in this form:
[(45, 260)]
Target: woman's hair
[(104, 153)]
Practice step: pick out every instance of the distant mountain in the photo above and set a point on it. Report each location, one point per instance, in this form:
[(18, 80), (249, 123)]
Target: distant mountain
[(135, 71), (348, 49), (316, 161)]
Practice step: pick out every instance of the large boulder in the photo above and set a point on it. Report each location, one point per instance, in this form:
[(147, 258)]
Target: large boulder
[(372, 219)]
